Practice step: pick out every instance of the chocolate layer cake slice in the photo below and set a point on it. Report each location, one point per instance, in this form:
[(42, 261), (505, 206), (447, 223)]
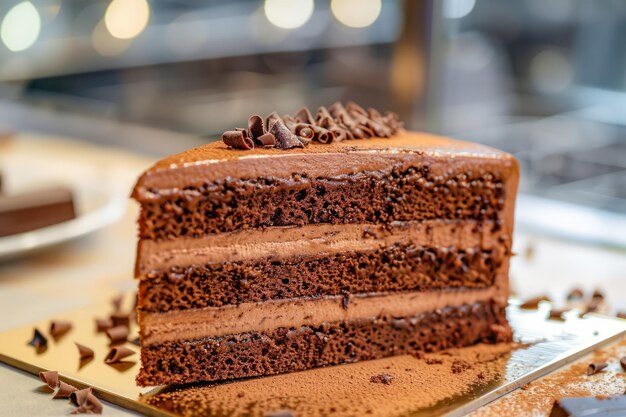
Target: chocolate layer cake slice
[(287, 255)]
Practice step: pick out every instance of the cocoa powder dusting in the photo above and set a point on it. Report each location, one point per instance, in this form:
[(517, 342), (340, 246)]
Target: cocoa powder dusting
[(536, 399), (347, 390)]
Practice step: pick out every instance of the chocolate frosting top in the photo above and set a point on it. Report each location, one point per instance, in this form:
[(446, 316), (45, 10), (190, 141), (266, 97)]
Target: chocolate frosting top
[(335, 123), (215, 161)]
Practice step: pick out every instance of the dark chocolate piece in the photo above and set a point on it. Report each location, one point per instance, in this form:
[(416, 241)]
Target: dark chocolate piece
[(59, 327), (533, 303), (83, 351), (386, 379), (596, 367), (39, 340), (64, 390), (285, 139), (103, 324), (117, 335), (118, 353), (33, 210), (589, 407), (50, 378)]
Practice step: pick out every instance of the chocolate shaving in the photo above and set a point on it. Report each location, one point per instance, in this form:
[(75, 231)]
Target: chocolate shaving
[(86, 402), (50, 378), (335, 123), (120, 318), (64, 390), (533, 303), (103, 325), (83, 351), (386, 379), (39, 340), (118, 353), (237, 139), (117, 335), (622, 362), (596, 367), (58, 328), (285, 139)]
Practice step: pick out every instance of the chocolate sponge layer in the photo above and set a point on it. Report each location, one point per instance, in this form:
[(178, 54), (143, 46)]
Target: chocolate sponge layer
[(394, 268), (371, 197), (294, 349)]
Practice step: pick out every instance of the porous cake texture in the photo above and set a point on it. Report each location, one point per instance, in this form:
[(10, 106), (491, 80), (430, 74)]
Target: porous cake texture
[(270, 260)]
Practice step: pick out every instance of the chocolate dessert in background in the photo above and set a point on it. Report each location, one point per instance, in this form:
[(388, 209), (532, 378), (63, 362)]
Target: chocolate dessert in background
[(36, 209), (307, 241)]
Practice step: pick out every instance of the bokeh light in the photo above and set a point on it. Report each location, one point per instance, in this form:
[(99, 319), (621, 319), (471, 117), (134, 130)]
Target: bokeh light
[(356, 13), (288, 14), (105, 44), (20, 27), (551, 71), (125, 19), (456, 9)]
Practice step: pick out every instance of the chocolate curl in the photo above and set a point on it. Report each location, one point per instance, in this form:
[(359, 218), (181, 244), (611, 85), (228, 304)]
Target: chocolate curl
[(325, 136), (103, 324), (303, 131), (64, 391), (256, 128), (324, 119), (354, 129), (50, 378), (118, 334), (393, 121), (379, 123), (79, 397), (116, 354), (596, 367), (237, 139), (304, 116), (58, 328), (83, 351), (39, 340), (267, 140), (86, 402), (284, 138), (120, 318)]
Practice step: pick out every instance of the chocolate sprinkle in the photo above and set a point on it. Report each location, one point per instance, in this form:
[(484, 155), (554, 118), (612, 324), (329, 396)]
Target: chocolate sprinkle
[(103, 325), (64, 391), (386, 379), (596, 367), (118, 353), (38, 340), (118, 334), (83, 351), (58, 328), (50, 378), (533, 303), (335, 123)]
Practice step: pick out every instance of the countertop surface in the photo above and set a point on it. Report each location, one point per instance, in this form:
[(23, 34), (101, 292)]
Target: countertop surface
[(100, 266)]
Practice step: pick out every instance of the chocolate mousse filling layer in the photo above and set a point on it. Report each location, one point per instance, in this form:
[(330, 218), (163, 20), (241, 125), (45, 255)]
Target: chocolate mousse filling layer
[(295, 348), (400, 194)]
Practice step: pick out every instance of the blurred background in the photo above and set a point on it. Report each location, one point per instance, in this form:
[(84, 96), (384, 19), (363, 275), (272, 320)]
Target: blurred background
[(545, 80)]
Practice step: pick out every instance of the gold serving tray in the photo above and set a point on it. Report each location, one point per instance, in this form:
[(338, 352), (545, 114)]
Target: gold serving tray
[(552, 344)]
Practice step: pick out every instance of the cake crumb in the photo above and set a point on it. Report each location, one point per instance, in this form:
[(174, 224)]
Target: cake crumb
[(386, 379)]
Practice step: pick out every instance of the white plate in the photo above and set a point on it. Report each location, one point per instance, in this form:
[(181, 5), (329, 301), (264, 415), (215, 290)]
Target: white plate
[(95, 208)]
